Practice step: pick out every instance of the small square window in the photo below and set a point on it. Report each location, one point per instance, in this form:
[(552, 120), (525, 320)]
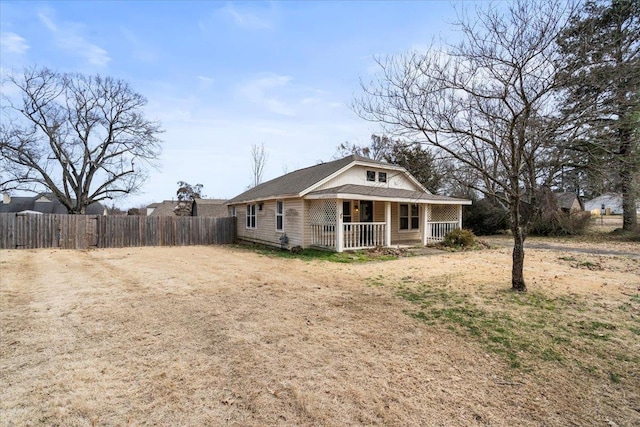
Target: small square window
[(371, 176), (382, 176)]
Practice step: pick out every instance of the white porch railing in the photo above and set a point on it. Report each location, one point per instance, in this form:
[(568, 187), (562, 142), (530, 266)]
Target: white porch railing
[(323, 235), (359, 235), (438, 229)]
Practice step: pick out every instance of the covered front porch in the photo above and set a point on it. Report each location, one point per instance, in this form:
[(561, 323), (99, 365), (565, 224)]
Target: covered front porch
[(340, 224)]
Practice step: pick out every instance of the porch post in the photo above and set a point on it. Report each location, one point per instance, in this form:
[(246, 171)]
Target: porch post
[(425, 224), (339, 228), (387, 226), (459, 216)]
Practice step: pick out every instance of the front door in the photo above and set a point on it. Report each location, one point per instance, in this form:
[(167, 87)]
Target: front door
[(366, 211), (366, 215)]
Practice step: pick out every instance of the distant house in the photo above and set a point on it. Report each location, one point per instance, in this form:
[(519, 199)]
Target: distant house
[(199, 207), (43, 203), (612, 204), (568, 202), (165, 208), (151, 208), (351, 203), (210, 207)]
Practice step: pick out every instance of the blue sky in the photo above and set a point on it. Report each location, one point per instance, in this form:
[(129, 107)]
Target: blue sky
[(221, 76)]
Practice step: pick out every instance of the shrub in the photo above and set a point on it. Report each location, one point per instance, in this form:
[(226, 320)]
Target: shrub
[(460, 238), (560, 223), (485, 218)]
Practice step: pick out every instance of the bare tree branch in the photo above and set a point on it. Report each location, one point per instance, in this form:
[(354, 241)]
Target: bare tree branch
[(258, 162), (487, 102), (84, 138)]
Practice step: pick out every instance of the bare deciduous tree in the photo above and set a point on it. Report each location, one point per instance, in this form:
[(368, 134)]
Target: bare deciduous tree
[(487, 102), (84, 138), (258, 161), (375, 150)]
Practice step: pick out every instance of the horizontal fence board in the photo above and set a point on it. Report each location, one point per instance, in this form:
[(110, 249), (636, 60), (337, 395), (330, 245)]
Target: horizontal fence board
[(29, 231)]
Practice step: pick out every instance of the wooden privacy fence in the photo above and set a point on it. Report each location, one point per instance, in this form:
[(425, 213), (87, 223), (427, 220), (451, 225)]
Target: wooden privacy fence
[(28, 231)]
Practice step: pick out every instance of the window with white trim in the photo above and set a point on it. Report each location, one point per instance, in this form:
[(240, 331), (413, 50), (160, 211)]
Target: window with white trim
[(409, 215), (382, 177), (251, 216), (371, 176), (279, 215)]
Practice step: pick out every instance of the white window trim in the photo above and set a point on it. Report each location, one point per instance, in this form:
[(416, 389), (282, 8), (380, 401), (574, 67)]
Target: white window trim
[(249, 215), (280, 214), (410, 229)]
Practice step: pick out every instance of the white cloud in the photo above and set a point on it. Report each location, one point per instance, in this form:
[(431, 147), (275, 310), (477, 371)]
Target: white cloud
[(247, 20), (205, 82), (69, 39), (13, 43), (48, 22), (258, 92), (139, 49)]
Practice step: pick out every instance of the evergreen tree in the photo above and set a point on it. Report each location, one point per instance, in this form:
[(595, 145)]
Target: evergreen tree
[(600, 72)]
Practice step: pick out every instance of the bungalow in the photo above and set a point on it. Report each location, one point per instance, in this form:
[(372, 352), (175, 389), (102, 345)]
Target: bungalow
[(346, 204)]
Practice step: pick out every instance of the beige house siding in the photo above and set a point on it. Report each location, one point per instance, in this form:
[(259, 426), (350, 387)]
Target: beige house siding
[(358, 175), (306, 204), (265, 231), (575, 206), (405, 235), (294, 221)]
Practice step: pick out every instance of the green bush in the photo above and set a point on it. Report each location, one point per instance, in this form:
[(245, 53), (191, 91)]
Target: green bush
[(485, 218), (460, 238)]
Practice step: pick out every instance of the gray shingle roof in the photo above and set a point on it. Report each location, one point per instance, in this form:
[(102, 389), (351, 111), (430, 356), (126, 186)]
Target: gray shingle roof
[(293, 183), (566, 200), (50, 205), (210, 207), (164, 208), (388, 193)]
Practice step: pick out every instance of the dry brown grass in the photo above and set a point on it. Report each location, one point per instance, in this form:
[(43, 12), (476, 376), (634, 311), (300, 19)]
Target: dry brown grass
[(221, 336)]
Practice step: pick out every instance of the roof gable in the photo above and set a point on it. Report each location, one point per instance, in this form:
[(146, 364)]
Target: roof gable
[(302, 181)]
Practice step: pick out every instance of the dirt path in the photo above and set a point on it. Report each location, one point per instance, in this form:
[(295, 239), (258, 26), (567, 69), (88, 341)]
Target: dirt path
[(222, 336)]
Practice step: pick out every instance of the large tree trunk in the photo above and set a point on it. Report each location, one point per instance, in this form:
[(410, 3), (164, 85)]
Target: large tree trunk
[(629, 214), (517, 269), (627, 173)]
